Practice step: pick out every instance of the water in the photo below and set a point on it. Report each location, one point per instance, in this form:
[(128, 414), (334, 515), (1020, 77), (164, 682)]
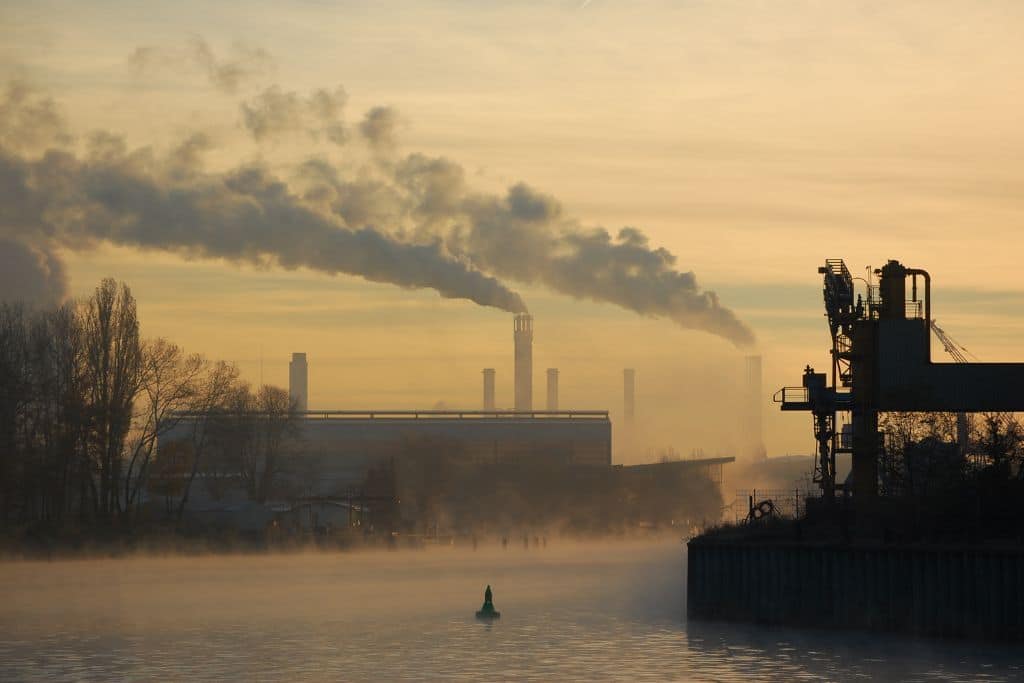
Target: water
[(585, 612)]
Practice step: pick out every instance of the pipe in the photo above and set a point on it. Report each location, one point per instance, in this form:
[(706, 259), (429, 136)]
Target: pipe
[(928, 300)]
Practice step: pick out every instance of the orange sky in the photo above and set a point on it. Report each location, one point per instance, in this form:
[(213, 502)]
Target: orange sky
[(752, 140)]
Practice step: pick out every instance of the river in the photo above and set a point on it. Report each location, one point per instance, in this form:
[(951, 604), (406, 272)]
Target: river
[(609, 611)]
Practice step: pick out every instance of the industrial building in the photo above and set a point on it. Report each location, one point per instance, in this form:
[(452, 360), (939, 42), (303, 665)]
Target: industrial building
[(487, 469), (331, 452), (918, 538)]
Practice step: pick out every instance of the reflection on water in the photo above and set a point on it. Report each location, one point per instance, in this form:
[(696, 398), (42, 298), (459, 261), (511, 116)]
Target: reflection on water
[(593, 612)]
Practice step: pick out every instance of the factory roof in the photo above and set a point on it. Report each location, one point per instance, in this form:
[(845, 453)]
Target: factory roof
[(395, 415)]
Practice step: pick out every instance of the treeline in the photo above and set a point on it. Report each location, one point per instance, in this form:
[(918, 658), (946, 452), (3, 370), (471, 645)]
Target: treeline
[(84, 401), (929, 454)]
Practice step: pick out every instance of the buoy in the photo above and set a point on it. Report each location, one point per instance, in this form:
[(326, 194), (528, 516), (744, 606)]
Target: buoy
[(487, 612)]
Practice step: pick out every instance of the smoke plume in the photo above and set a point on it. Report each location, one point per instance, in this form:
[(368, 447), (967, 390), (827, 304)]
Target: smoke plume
[(379, 127), (32, 274), (274, 112), (245, 215), (524, 236), (227, 74), (410, 221)]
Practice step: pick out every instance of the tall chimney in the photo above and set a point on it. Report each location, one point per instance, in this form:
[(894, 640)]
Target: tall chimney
[(489, 389), (524, 362), (753, 427), (629, 394), (298, 382), (552, 389)]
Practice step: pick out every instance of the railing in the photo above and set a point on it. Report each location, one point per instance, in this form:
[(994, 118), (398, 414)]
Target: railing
[(789, 503), (792, 395)]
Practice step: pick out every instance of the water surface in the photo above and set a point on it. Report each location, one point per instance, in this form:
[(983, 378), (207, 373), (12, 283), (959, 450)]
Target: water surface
[(611, 611)]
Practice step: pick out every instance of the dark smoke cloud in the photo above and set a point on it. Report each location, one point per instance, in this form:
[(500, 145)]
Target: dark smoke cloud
[(29, 120), (412, 222), (245, 215), (274, 112), (379, 127), (132, 197), (524, 236), (227, 74), (31, 274)]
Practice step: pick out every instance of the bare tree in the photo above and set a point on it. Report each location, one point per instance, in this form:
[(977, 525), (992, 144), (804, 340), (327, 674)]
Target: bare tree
[(214, 388), (170, 383), (113, 361), (1000, 439), (15, 383), (277, 420)]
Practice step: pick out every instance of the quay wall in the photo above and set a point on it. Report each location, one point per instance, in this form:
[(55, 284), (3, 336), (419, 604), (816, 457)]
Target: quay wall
[(951, 592)]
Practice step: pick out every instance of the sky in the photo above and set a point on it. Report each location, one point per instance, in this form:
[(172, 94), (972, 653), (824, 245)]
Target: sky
[(748, 140)]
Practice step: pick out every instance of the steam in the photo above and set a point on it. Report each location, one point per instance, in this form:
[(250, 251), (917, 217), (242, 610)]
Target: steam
[(524, 236), (29, 120), (408, 221), (379, 126), (244, 215), (33, 274), (227, 74), (274, 112)]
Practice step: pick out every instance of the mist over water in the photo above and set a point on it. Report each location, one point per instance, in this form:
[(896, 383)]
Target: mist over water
[(597, 611)]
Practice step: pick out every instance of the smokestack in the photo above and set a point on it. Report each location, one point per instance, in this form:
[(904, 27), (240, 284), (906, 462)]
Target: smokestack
[(753, 427), (524, 362), (552, 388), (298, 382), (489, 389), (629, 394)]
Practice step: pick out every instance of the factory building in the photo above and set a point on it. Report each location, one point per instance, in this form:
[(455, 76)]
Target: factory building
[(333, 451)]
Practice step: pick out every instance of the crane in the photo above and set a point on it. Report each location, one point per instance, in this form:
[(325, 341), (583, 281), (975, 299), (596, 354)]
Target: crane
[(959, 353)]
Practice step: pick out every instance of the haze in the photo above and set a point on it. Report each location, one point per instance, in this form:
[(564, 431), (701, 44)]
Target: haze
[(752, 141)]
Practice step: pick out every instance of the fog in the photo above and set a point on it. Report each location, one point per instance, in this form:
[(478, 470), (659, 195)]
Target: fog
[(594, 611)]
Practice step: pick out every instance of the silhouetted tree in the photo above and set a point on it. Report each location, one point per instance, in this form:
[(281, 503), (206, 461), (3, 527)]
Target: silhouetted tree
[(170, 384), (113, 362)]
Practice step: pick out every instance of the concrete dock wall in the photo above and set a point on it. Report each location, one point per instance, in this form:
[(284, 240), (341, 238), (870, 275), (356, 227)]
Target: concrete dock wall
[(957, 592)]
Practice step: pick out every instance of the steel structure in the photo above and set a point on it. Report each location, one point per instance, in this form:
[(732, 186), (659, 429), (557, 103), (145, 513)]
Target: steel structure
[(881, 361)]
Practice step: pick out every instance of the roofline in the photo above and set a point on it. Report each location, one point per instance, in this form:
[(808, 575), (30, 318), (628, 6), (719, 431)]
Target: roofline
[(684, 461), (424, 414)]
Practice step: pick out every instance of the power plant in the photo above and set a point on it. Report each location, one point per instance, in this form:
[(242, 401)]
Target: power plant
[(392, 468), (523, 338)]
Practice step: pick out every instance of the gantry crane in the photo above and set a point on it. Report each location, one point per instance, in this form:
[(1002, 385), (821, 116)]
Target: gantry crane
[(881, 361)]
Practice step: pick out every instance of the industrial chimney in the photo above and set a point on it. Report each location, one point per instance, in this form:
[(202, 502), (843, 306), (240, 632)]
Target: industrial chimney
[(524, 362), (552, 389), (298, 382), (753, 427), (629, 394), (489, 389)]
